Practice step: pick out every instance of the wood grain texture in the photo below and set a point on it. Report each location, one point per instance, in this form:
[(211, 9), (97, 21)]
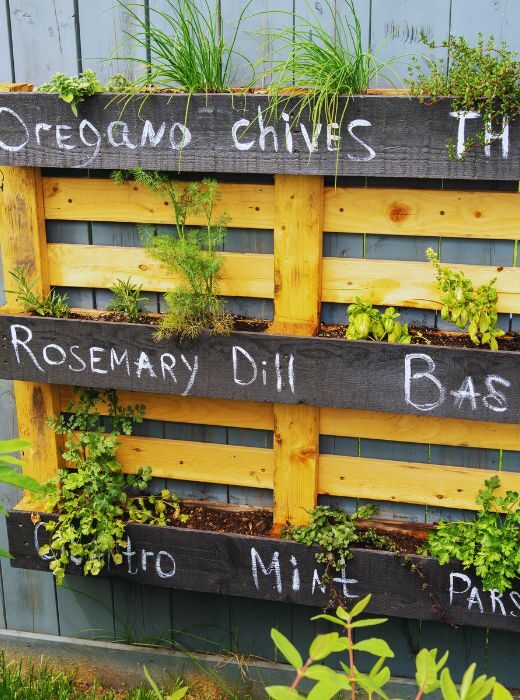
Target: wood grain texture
[(198, 461), (264, 568), (397, 137), (243, 274), (23, 244), (407, 482), (83, 199), (408, 212), (407, 283), (442, 382), (333, 421)]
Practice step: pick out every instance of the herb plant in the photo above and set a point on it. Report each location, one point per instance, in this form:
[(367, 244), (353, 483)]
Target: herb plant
[(467, 307), (192, 253), (490, 542), (127, 300), (365, 322), (431, 673), (184, 45), (336, 532), (320, 65), (484, 78), (72, 89), (94, 498), (52, 304)]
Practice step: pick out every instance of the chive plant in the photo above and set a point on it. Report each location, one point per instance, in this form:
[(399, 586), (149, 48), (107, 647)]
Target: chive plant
[(320, 65), (184, 45)]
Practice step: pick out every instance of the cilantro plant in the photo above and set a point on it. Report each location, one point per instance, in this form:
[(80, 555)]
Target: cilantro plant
[(52, 304), (94, 498), (490, 542), (127, 300), (336, 533), (72, 89), (431, 673), (190, 253), (467, 307), (484, 78), (365, 322)]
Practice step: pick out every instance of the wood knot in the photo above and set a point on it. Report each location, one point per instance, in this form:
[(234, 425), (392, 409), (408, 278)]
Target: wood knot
[(478, 214), (278, 437), (143, 267), (399, 212)]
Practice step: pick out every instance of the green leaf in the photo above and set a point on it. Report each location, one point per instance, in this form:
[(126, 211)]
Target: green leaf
[(13, 445), (5, 554), (375, 646), (21, 481), (323, 645), (426, 669), (318, 672), (369, 623), (467, 680), (281, 692), (448, 689), (360, 606), (289, 651), (501, 693), (329, 618), (323, 691), (178, 694)]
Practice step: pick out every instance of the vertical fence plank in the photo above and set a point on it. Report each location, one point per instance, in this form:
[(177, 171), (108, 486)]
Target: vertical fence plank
[(499, 18), (6, 74), (104, 28), (44, 39), (395, 32)]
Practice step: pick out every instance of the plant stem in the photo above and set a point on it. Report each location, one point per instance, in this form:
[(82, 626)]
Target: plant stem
[(351, 661), (301, 673)]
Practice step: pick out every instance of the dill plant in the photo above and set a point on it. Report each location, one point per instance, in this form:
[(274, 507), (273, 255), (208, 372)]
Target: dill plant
[(321, 66), (484, 78), (184, 44), (193, 253)]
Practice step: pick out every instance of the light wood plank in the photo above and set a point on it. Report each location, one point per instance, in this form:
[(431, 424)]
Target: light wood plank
[(407, 283), (16, 87), (407, 212), (420, 429), (191, 409), (407, 482), (333, 421), (199, 461), (243, 274), (82, 199), (22, 237)]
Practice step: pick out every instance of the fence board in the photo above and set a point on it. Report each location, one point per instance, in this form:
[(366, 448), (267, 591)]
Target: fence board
[(103, 28), (6, 74), (498, 18), (44, 39)]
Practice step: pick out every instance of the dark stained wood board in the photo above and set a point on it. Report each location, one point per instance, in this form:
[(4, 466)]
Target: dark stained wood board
[(421, 380), (380, 136), (278, 570)]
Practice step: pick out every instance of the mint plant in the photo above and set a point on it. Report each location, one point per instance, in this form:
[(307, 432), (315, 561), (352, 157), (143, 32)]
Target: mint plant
[(52, 304), (367, 323), (191, 253), (431, 673), (336, 533), (469, 308), (127, 300), (72, 89), (94, 497), (490, 542)]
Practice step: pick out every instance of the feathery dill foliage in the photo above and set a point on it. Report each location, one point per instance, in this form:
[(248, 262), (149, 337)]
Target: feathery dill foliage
[(186, 46), (324, 64), (484, 78), (191, 253)]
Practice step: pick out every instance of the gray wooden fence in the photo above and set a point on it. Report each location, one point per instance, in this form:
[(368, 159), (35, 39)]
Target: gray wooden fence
[(41, 37)]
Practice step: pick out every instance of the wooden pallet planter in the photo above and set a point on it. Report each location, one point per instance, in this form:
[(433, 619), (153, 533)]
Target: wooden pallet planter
[(283, 571), (380, 135), (410, 379), (357, 381)]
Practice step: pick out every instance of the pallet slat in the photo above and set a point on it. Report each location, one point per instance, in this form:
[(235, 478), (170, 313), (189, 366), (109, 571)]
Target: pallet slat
[(244, 274), (407, 283), (82, 199)]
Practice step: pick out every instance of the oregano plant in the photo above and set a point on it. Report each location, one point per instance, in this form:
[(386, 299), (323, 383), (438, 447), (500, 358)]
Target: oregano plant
[(94, 498)]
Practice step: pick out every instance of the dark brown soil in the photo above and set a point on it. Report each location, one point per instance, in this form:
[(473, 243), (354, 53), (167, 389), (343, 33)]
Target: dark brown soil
[(240, 323), (241, 522), (422, 335)]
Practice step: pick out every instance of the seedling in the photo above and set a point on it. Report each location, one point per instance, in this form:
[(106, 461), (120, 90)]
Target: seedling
[(52, 304)]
